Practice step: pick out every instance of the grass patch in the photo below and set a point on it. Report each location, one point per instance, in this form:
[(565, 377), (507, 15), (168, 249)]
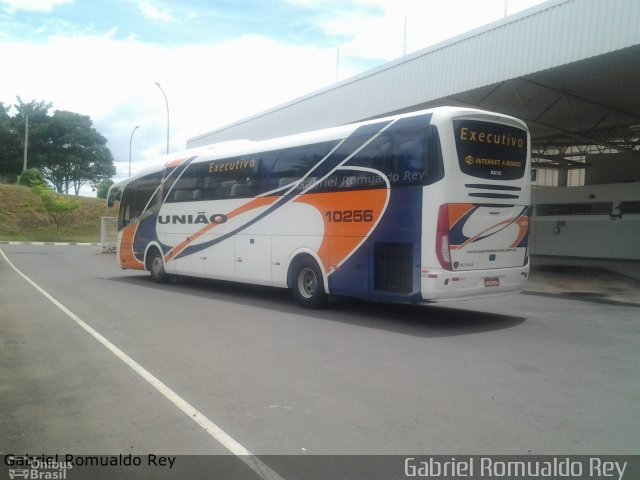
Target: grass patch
[(21, 218)]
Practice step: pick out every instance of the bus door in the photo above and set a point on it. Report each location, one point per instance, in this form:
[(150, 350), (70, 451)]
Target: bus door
[(253, 258)]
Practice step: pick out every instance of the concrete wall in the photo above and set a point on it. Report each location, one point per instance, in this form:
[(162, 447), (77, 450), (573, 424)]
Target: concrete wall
[(593, 236)]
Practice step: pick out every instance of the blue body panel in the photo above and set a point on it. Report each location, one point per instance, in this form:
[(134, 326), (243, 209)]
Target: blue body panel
[(401, 223)]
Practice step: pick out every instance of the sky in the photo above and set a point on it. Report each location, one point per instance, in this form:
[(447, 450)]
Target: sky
[(217, 61)]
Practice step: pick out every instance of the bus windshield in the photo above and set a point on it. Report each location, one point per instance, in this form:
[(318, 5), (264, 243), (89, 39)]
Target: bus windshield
[(136, 196)]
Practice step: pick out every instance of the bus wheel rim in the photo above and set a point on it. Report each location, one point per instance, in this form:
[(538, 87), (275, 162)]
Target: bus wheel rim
[(156, 265), (307, 282)]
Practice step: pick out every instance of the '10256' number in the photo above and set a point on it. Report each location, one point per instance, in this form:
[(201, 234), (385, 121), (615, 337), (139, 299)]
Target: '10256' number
[(337, 216)]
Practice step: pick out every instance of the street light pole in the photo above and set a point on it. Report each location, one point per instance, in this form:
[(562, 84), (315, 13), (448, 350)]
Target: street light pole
[(131, 140), (26, 143), (167, 104)]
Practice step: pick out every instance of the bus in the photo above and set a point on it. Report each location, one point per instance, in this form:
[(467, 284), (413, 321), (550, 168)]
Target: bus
[(426, 206)]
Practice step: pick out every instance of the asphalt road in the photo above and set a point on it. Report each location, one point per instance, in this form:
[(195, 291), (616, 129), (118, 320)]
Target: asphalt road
[(521, 374)]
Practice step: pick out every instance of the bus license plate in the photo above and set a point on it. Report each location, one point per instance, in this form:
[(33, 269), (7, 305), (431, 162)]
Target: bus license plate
[(492, 282)]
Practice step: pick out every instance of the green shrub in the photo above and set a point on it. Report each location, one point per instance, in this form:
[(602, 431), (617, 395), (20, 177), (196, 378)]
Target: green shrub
[(58, 207), (32, 177)]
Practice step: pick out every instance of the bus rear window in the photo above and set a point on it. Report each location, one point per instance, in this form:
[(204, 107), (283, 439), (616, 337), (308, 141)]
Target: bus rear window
[(490, 150)]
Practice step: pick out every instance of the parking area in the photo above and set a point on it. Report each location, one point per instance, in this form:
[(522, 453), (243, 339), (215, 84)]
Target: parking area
[(592, 280), (519, 374)]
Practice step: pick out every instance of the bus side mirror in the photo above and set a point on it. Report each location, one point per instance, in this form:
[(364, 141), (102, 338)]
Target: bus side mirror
[(111, 198), (114, 193)]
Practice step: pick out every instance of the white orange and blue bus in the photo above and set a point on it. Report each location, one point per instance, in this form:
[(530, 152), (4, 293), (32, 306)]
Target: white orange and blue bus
[(425, 206)]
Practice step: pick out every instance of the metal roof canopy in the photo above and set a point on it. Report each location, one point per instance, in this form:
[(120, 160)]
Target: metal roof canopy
[(569, 68), (587, 107)]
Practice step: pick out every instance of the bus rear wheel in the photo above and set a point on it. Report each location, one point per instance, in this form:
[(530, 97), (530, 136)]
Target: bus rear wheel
[(155, 265), (307, 284)]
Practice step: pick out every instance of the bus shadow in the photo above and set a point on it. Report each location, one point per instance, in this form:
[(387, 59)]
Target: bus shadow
[(425, 320)]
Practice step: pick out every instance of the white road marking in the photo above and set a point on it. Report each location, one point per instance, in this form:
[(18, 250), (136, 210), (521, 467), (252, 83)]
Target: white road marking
[(211, 428)]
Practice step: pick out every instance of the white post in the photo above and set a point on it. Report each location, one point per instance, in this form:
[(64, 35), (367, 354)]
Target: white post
[(108, 234)]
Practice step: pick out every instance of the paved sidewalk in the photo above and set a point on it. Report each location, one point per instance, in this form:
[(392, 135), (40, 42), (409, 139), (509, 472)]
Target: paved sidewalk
[(598, 280)]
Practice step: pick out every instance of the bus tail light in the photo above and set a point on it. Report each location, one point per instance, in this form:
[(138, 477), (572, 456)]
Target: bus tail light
[(442, 238)]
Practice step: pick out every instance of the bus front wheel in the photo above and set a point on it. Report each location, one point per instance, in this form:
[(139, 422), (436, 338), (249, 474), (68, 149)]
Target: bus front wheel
[(155, 265), (307, 284)]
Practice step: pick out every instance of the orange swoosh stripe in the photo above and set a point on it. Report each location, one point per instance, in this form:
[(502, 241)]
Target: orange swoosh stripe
[(255, 203)]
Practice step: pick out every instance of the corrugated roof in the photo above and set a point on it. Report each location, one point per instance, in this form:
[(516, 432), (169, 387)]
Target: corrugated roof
[(552, 34)]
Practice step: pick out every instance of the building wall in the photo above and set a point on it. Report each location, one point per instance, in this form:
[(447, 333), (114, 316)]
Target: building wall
[(614, 236)]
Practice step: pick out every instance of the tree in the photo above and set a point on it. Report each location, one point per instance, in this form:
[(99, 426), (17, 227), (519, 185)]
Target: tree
[(74, 153), (12, 133), (103, 188), (10, 146), (38, 113), (56, 206), (64, 146)]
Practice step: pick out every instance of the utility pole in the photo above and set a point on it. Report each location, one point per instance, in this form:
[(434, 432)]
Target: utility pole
[(404, 48), (131, 140), (26, 142), (167, 105)]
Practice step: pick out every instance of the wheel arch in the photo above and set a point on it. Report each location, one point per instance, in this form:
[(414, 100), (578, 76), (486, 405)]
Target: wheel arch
[(297, 256), (149, 247)]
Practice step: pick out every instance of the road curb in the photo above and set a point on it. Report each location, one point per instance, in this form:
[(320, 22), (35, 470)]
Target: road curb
[(582, 298), (60, 244)]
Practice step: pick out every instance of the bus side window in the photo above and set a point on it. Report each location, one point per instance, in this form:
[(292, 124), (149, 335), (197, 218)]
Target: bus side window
[(210, 188), (240, 190), (407, 156), (374, 155), (407, 160), (295, 163), (265, 180), (379, 159), (189, 186), (181, 195), (434, 168)]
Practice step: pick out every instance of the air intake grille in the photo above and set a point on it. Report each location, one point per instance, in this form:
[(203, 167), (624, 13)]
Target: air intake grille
[(392, 267)]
